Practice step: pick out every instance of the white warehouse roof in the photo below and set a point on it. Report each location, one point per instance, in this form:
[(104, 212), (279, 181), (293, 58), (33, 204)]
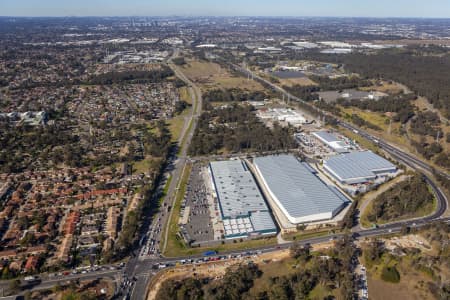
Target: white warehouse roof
[(357, 167), (240, 200), (332, 141), (299, 194), (236, 189)]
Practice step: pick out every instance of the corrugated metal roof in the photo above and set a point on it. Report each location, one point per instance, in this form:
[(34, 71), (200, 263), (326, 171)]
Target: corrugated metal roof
[(326, 136), (262, 221), (357, 164), (236, 188), (299, 191)]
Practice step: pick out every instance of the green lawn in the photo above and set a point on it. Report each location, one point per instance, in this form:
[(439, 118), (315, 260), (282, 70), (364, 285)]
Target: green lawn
[(173, 242), (320, 292), (297, 236), (166, 189), (375, 118), (145, 165), (176, 124)]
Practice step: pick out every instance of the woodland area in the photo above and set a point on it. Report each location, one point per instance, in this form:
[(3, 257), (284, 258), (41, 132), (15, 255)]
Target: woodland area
[(233, 94), (310, 270), (309, 92), (236, 128), (402, 201), (421, 69), (153, 76), (398, 104)]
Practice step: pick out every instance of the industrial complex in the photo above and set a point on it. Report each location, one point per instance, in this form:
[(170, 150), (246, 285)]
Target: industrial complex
[(246, 196), (296, 191), (332, 141), (359, 167), (243, 209)]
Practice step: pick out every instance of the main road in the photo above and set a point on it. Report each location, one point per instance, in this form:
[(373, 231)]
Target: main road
[(398, 154), (163, 219), (442, 202), (139, 271)]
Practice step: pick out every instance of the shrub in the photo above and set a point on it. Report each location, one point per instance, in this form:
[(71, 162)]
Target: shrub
[(390, 274)]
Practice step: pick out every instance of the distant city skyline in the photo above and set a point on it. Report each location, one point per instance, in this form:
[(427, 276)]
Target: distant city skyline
[(324, 8)]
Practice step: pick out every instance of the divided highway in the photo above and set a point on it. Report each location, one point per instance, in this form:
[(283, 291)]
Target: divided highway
[(396, 153), (134, 278)]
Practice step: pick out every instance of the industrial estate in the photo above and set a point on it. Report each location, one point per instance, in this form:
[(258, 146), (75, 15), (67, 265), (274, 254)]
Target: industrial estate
[(224, 158)]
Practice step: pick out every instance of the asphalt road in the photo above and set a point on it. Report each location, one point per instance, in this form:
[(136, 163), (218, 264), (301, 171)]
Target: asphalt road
[(178, 168), (141, 269)]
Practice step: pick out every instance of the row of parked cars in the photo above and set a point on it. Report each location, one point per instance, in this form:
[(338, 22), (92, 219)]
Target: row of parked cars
[(86, 269), (200, 260)]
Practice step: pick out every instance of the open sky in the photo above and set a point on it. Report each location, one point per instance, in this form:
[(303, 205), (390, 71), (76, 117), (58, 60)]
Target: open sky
[(339, 8)]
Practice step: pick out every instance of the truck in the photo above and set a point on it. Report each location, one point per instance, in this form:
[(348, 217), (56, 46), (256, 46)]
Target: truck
[(209, 253), (30, 278), (30, 281)]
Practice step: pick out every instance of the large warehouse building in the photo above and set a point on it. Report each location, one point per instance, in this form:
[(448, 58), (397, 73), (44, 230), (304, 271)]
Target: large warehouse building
[(297, 192), (243, 209), (358, 167)]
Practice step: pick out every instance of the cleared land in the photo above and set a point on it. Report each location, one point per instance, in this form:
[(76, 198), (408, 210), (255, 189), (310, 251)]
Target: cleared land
[(211, 75), (387, 87), (409, 288), (414, 279)]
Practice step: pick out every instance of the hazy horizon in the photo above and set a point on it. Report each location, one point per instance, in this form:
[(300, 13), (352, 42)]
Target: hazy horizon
[(246, 8)]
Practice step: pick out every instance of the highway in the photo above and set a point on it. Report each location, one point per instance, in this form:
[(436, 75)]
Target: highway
[(161, 222), (145, 270), (139, 268), (403, 157)]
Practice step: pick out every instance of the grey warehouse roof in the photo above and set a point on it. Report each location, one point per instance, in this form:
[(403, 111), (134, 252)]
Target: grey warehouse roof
[(262, 221), (299, 191), (358, 165), (326, 136), (236, 189)]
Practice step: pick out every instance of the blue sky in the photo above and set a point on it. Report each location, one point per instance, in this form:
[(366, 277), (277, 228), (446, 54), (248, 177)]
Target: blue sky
[(351, 8)]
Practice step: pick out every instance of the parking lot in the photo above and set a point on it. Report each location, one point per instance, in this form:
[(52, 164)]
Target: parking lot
[(196, 208)]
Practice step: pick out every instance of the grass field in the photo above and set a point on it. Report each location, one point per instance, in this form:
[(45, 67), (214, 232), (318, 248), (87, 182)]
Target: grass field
[(375, 118), (211, 75), (185, 95), (297, 236), (270, 270), (145, 165), (412, 285), (386, 87), (176, 124), (303, 81), (173, 242)]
